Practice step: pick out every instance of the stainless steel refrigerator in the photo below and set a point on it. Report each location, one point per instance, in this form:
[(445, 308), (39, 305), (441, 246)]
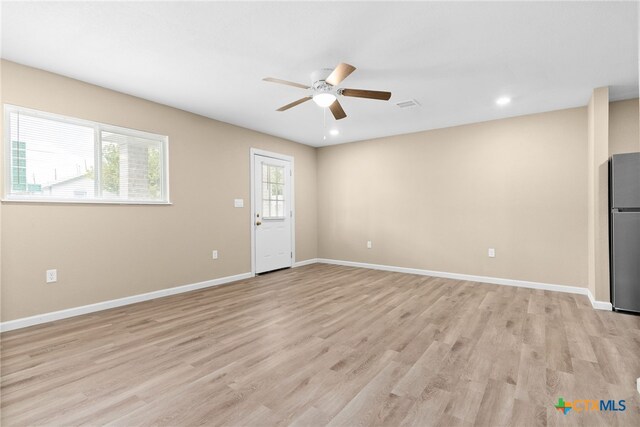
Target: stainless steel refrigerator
[(624, 200)]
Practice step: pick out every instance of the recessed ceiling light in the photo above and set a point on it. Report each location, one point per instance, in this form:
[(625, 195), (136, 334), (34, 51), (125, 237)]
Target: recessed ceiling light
[(334, 132), (503, 100)]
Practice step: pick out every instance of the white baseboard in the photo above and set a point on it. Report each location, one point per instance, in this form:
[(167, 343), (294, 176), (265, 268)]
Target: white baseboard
[(104, 305), (599, 305), (305, 262)]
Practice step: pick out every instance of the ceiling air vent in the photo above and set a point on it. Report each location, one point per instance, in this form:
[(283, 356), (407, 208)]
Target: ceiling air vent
[(408, 104)]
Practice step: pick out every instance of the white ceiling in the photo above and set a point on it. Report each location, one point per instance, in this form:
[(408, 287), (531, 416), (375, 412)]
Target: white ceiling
[(455, 59)]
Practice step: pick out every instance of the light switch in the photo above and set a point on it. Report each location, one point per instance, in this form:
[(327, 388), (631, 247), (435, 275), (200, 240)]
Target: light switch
[(492, 253), (238, 203)]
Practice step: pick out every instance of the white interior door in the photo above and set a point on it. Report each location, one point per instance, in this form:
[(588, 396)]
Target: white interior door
[(272, 216)]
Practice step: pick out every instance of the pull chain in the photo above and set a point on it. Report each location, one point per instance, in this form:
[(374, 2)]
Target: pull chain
[(324, 123)]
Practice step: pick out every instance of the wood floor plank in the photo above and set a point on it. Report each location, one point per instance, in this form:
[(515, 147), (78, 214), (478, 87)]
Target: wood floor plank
[(325, 344)]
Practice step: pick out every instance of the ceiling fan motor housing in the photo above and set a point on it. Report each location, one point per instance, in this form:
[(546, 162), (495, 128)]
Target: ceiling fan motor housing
[(323, 87)]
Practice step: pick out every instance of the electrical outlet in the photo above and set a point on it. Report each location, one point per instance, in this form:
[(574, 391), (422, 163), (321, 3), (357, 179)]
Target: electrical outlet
[(214, 255), (492, 253), (52, 276), (368, 244)]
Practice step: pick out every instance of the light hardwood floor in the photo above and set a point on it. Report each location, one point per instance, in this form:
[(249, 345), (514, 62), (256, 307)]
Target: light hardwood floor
[(327, 345)]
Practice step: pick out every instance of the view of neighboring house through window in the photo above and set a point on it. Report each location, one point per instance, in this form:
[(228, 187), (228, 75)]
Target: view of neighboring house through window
[(272, 191), (64, 159)]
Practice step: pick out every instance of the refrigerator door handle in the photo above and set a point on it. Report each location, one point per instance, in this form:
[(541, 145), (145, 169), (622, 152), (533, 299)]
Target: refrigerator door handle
[(623, 210)]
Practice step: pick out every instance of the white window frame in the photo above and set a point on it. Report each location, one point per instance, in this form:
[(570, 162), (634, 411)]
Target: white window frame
[(98, 129), (271, 217)]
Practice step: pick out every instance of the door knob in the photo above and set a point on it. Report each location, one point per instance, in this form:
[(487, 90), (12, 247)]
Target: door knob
[(258, 222)]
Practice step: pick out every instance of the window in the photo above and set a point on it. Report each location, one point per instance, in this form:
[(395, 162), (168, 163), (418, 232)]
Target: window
[(272, 191), (61, 159)]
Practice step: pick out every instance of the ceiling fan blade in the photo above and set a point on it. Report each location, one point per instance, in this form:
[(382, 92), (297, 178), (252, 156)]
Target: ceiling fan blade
[(294, 103), (285, 82), (371, 94), (337, 110), (340, 73)]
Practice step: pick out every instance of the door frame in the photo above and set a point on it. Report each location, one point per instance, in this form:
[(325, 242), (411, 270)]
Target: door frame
[(253, 152)]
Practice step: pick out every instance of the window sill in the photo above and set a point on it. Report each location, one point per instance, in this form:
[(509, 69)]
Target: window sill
[(82, 202)]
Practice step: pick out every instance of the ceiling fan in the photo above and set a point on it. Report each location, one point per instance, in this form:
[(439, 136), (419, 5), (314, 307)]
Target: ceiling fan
[(324, 90)]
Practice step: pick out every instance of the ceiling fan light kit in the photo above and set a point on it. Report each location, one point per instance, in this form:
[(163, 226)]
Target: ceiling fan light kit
[(324, 99), (324, 92)]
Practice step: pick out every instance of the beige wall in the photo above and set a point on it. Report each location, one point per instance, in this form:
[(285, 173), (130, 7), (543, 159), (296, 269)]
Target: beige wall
[(598, 193), (437, 200), (624, 136), (111, 251), (591, 194), (434, 200)]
